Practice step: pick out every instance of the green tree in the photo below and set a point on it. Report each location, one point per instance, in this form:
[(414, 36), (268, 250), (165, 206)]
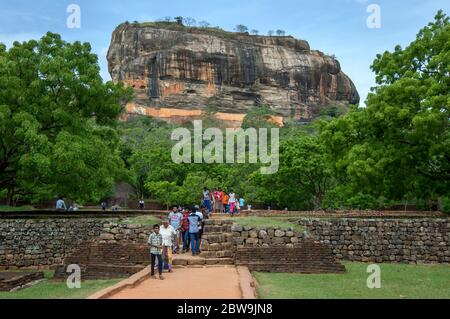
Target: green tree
[(147, 148), (398, 147), (303, 178), (204, 24), (241, 28), (57, 121), (258, 117), (190, 22), (179, 20), (165, 192)]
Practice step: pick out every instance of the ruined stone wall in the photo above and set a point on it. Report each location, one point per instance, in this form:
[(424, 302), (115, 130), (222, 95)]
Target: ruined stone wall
[(247, 236), (307, 257), (45, 243), (384, 240)]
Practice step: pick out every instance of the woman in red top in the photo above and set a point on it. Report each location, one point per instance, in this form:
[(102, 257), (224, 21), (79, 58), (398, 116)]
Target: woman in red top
[(218, 195)]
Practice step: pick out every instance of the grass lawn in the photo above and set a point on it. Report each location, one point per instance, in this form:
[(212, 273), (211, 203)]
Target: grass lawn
[(48, 289), (144, 220), (257, 221), (397, 281), (5, 208)]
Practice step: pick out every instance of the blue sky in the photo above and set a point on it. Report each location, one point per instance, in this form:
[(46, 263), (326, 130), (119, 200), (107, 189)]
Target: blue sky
[(332, 26)]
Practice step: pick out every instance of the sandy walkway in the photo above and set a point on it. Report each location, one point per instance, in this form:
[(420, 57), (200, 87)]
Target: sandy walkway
[(189, 283)]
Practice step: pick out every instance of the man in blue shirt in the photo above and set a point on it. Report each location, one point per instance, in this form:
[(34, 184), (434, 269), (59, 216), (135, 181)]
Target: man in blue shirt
[(194, 221)]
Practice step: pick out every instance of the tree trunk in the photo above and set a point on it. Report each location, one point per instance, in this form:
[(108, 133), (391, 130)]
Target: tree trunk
[(9, 197)]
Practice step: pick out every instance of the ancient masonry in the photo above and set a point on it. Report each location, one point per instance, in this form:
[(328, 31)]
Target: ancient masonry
[(106, 247), (10, 281), (384, 240), (177, 73)]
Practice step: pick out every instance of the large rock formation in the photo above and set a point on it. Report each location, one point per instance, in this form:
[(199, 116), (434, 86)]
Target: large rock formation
[(179, 72)]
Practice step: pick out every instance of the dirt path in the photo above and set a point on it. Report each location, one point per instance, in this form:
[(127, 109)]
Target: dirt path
[(189, 283)]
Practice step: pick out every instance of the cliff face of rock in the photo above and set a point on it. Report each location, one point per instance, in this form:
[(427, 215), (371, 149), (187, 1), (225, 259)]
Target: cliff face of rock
[(178, 73)]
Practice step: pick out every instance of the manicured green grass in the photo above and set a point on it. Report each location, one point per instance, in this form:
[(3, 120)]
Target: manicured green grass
[(5, 208), (397, 281), (264, 222), (49, 289), (144, 220)]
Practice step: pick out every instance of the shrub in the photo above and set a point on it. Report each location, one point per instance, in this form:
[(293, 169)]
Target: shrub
[(445, 205)]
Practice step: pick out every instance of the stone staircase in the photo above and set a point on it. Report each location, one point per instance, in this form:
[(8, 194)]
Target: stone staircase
[(217, 247)]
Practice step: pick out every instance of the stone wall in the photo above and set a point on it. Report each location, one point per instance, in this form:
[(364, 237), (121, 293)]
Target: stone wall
[(13, 281), (384, 240), (307, 257), (107, 260), (114, 232), (246, 236), (45, 243)]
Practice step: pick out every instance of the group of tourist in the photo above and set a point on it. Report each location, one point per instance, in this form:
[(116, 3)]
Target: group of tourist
[(219, 201), (180, 233)]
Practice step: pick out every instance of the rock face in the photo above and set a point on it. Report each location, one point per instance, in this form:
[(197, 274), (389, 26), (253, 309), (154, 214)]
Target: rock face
[(177, 73)]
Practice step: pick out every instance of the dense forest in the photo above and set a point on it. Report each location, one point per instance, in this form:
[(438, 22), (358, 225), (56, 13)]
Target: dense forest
[(60, 135)]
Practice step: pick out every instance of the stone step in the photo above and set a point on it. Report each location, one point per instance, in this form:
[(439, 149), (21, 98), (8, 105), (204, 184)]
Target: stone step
[(201, 261), (206, 246), (219, 261), (218, 222), (217, 254), (217, 237), (217, 229)]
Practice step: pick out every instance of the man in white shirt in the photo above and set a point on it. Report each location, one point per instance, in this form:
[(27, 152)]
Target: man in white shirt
[(167, 232), (61, 205), (175, 218)]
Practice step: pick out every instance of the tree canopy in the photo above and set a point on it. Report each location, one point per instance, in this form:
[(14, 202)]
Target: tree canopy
[(398, 147), (57, 121)]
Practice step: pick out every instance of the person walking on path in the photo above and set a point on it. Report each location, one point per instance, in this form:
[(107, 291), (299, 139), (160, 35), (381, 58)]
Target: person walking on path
[(104, 206), (207, 199), (194, 221), (232, 203), (175, 219), (155, 241), (185, 229), (167, 232), (141, 204), (225, 203), (242, 203)]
